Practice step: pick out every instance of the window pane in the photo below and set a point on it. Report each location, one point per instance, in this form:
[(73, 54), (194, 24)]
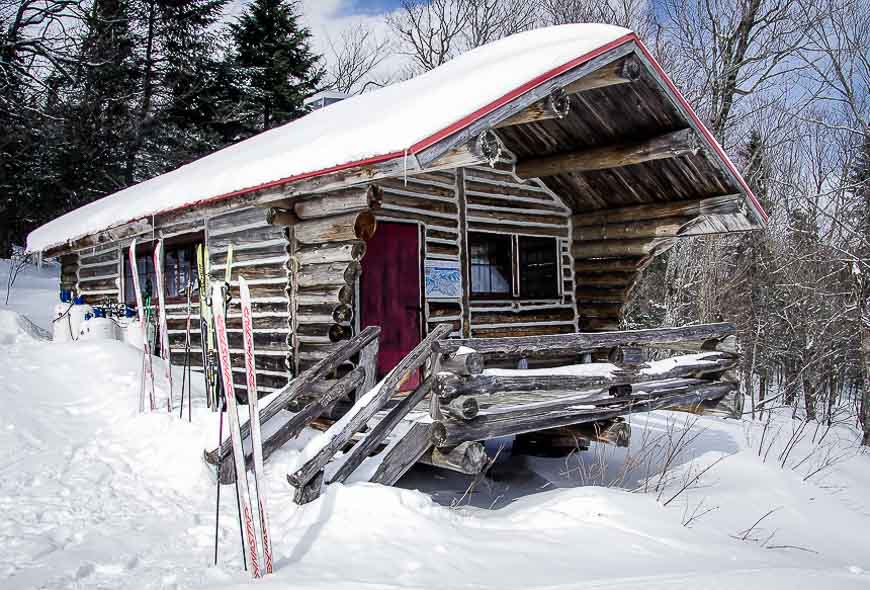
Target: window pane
[(490, 258), (538, 268)]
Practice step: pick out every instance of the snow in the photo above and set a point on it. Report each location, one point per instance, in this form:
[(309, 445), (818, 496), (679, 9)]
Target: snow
[(387, 121), (95, 495)]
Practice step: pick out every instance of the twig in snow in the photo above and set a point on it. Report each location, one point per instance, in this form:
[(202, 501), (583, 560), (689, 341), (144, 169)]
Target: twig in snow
[(745, 534)]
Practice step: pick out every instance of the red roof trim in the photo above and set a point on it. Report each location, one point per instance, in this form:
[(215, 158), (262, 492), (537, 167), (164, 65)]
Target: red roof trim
[(534, 82), (703, 129)]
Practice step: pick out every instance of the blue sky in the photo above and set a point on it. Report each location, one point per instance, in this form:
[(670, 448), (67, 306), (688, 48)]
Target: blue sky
[(370, 6)]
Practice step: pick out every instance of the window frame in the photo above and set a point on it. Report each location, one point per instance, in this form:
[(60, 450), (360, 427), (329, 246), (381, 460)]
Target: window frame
[(516, 281), (145, 250)]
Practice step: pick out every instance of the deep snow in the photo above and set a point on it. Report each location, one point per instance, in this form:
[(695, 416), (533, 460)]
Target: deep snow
[(95, 495)]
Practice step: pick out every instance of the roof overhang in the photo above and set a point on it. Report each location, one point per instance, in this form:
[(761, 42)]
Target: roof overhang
[(453, 145)]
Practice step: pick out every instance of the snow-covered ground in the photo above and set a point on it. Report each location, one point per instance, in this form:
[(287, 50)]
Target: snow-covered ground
[(95, 495)]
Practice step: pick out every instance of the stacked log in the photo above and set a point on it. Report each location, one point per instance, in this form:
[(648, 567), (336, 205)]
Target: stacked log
[(612, 246), (329, 231), (475, 406)]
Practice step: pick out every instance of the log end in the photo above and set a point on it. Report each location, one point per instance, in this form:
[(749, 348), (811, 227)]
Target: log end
[(439, 433), (365, 225)]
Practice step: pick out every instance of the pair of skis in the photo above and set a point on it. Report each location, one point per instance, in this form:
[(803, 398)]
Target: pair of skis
[(147, 367), (249, 535)]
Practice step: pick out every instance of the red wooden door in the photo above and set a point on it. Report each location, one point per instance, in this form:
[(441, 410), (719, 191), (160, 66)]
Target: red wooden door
[(390, 291)]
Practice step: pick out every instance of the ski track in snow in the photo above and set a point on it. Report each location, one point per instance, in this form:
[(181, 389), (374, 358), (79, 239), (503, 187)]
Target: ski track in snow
[(95, 495)]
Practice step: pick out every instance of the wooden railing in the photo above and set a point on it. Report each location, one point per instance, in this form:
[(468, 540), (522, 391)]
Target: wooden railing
[(360, 379), (308, 478), (473, 406)]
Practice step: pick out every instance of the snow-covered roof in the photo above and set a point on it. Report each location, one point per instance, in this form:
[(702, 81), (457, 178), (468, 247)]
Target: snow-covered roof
[(398, 119)]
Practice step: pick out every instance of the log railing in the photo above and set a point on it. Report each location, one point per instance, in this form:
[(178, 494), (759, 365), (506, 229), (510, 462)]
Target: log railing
[(308, 478), (306, 384), (471, 405)]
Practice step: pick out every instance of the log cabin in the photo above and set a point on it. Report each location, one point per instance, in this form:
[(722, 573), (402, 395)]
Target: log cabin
[(516, 191)]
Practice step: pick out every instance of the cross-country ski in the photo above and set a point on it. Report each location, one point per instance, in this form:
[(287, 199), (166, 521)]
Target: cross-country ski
[(253, 409), (147, 381), (165, 352), (219, 309)]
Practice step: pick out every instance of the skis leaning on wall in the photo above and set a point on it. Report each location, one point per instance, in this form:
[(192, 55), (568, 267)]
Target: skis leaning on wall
[(219, 312), (204, 331), (253, 409), (147, 372), (161, 318)]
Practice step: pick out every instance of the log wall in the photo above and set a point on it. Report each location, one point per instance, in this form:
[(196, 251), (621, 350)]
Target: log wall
[(498, 202), (260, 255), (481, 199)]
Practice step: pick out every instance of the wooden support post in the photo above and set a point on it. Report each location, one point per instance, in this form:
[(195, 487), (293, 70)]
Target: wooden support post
[(299, 421), (379, 432), (302, 384), (464, 260), (399, 458), (668, 145), (341, 432), (368, 360)]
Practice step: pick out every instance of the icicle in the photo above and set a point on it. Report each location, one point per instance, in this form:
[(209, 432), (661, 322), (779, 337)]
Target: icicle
[(405, 166)]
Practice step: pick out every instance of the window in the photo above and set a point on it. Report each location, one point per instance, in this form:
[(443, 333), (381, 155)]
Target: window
[(145, 270), (490, 260), (179, 268), (510, 266), (538, 267)]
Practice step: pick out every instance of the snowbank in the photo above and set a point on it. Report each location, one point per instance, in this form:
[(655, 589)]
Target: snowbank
[(95, 495), (34, 293), (384, 123)]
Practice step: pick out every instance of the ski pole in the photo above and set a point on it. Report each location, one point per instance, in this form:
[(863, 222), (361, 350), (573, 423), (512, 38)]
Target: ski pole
[(217, 508)]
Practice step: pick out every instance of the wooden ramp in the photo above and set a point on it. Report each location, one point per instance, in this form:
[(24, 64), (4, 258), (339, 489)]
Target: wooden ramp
[(313, 392), (401, 455)]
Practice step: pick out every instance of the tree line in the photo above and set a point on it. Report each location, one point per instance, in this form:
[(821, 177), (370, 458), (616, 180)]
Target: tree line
[(98, 95)]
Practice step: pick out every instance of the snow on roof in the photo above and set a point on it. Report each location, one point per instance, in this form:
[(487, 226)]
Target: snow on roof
[(378, 125)]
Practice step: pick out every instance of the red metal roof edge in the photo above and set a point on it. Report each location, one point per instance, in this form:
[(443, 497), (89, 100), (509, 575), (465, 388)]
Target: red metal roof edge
[(711, 141)]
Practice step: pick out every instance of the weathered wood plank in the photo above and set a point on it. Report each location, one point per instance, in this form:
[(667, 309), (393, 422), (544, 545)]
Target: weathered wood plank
[(581, 342), (667, 145)]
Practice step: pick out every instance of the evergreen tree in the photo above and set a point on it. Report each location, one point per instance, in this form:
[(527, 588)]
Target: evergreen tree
[(178, 49), (276, 62)]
